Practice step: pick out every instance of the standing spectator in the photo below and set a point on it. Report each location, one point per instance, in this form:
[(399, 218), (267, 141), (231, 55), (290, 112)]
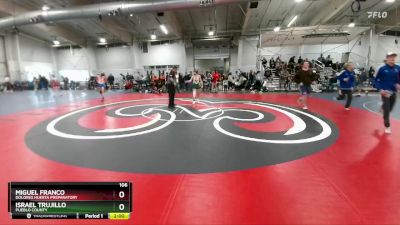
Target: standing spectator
[(214, 81), (335, 66), (321, 59), (231, 81), (35, 83), (66, 83), (287, 79), (54, 83), (264, 63), (43, 82), (361, 79), (46, 83), (40, 82), (186, 79), (371, 73), (177, 82), (110, 81), (251, 77), (300, 60), (181, 82), (328, 62), (272, 63), (292, 64), (278, 60), (225, 83)]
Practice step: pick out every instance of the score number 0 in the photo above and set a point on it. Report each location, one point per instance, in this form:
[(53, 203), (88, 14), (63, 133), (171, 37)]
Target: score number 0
[(121, 194)]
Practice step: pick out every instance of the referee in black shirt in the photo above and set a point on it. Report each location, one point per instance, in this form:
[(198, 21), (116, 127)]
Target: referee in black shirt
[(171, 87)]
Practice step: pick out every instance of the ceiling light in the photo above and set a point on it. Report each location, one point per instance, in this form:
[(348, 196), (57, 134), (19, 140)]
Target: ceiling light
[(103, 40), (210, 33), (352, 24), (390, 1), (292, 21), (164, 29), (277, 29), (153, 36), (298, 0), (131, 14), (45, 8), (55, 42)]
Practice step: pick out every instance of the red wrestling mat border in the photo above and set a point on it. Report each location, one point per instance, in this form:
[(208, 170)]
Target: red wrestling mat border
[(354, 181)]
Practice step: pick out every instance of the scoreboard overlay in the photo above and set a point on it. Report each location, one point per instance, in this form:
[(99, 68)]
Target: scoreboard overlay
[(72, 200)]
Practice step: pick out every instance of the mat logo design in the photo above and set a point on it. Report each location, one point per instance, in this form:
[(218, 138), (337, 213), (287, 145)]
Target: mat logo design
[(227, 117), (216, 135)]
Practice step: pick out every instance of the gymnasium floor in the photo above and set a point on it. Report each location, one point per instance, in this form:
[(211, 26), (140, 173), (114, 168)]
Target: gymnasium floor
[(231, 159)]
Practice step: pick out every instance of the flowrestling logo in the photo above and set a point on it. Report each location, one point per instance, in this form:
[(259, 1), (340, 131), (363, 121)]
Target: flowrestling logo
[(379, 15), (211, 136)]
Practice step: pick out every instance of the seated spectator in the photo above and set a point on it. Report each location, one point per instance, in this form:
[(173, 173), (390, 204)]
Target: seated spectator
[(300, 60), (8, 86), (328, 62), (321, 59), (272, 63), (35, 83), (264, 63)]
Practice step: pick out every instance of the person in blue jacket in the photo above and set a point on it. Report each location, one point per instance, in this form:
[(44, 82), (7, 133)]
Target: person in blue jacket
[(346, 84), (387, 81)]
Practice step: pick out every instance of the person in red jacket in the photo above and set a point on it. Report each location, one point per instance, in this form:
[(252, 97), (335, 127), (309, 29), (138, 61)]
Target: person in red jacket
[(214, 81)]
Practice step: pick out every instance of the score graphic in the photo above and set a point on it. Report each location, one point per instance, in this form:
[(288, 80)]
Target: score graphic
[(76, 200)]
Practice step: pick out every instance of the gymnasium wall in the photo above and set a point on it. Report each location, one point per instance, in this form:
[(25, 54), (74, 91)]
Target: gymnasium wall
[(386, 44), (247, 54), (28, 57), (189, 59), (114, 60), (36, 58), (165, 54), (23, 57), (132, 59), (3, 59), (76, 64), (203, 65), (234, 59), (358, 49)]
